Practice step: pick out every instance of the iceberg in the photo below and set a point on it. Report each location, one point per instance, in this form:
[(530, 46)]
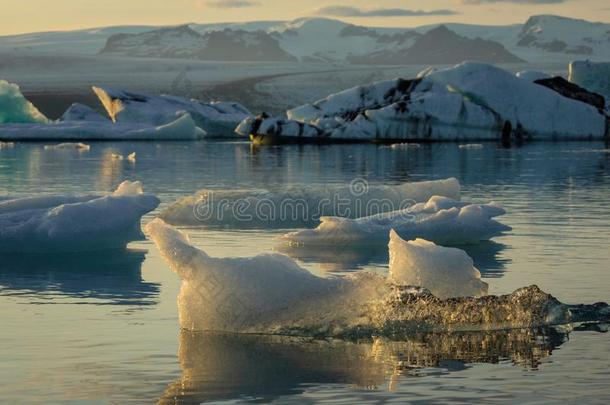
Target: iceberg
[(217, 119), (441, 220), (421, 263), (470, 101), (271, 294), (78, 146), (82, 112), (15, 108), (183, 128), (60, 224), (593, 76), (297, 205)]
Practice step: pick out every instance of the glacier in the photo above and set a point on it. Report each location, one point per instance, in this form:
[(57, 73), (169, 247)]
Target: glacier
[(271, 294), (217, 119), (69, 223), (469, 101), (14, 108), (303, 204), (441, 220)]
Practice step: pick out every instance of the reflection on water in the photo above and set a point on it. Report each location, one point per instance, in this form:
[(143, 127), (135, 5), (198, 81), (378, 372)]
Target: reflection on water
[(255, 367), (113, 277), (487, 257), (556, 196)]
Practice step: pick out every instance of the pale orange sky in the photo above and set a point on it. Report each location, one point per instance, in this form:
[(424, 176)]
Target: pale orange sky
[(20, 16)]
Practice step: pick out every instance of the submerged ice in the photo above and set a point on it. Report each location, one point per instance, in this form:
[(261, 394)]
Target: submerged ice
[(440, 219), (300, 204), (270, 293), (68, 223)]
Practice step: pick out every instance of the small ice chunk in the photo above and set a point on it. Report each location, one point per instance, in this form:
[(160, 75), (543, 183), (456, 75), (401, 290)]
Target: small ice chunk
[(81, 147), (445, 272), (6, 145), (471, 146), (132, 157), (129, 188)]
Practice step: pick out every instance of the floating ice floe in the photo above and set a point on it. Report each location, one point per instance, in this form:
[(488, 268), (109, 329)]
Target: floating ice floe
[(130, 158), (77, 146), (300, 204), (53, 224), (14, 108), (217, 119), (6, 145), (270, 293), (470, 101), (441, 220), (182, 128)]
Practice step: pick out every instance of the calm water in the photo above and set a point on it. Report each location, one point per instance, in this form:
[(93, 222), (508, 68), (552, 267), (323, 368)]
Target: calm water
[(98, 329)]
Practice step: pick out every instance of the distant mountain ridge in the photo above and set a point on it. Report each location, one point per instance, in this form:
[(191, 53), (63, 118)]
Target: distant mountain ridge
[(185, 43), (442, 46), (542, 38), (358, 45)]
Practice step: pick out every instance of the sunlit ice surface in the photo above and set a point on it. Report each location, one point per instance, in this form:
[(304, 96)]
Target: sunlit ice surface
[(104, 328)]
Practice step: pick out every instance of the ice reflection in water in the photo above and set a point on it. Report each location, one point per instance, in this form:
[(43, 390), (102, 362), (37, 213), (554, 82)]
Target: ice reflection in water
[(261, 368), (113, 277)]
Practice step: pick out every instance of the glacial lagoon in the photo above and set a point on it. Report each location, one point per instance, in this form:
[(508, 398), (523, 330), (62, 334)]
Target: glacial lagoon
[(93, 328)]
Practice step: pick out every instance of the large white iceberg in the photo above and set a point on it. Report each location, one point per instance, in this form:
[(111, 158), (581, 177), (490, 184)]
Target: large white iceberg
[(15, 108), (441, 220), (470, 101), (301, 204), (421, 263), (217, 119), (270, 293), (55, 224), (182, 128)]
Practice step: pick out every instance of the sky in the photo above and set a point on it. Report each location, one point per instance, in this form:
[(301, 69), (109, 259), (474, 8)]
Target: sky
[(21, 16)]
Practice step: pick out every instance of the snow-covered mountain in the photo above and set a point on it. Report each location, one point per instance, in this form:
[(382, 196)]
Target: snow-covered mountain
[(185, 43), (544, 38), (300, 40), (442, 46), (565, 35)]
